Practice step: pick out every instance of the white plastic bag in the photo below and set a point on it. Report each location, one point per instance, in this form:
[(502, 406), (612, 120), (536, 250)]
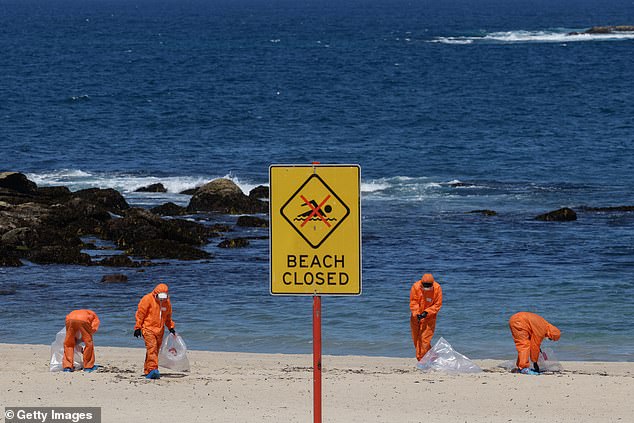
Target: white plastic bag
[(173, 353), (442, 357), (57, 352)]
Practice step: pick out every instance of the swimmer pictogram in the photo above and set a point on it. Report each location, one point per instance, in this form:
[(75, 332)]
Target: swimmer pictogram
[(315, 211)]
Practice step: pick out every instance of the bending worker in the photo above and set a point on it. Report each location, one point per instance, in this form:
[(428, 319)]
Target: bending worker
[(529, 330), (85, 322), (425, 301), (153, 314)]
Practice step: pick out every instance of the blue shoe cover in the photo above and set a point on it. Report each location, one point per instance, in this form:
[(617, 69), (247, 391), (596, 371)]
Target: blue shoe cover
[(528, 371), (67, 370), (92, 369), (154, 374)]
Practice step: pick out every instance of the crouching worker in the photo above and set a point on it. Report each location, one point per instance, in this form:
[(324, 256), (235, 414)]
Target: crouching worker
[(85, 322), (529, 330), (153, 314), (425, 301)]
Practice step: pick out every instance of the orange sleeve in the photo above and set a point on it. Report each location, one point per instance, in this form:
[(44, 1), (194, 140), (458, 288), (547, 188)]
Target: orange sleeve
[(414, 300), (95, 322), (168, 317), (435, 307), (141, 312)]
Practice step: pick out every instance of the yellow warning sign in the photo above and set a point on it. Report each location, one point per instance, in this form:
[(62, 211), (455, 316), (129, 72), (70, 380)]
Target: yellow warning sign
[(315, 229)]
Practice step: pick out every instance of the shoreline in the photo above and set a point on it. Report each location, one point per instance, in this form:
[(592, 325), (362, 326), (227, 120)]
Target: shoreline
[(248, 387)]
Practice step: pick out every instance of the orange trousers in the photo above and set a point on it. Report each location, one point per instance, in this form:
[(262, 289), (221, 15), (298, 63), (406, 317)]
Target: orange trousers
[(522, 340), (152, 345), (422, 333), (72, 326)]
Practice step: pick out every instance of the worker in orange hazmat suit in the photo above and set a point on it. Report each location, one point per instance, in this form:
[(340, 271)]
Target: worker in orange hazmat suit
[(529, 330), (85, 322), (153, 314), (425, 301)]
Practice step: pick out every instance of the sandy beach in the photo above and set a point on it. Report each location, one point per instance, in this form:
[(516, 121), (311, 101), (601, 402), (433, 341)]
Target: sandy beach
[(243, 387)]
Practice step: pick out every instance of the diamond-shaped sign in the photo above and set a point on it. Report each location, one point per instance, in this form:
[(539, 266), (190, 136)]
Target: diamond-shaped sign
[(315, 211)]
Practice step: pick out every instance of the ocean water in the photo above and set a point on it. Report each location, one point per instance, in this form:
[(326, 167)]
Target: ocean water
[(447, 107)]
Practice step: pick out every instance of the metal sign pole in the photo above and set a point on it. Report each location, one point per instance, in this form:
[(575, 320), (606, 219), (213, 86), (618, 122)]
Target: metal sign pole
[(317, 358)]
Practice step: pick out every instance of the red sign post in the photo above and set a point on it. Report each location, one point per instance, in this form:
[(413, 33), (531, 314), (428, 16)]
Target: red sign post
[(317, 358)]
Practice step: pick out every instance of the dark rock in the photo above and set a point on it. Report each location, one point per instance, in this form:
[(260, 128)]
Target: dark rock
[(109, 199), (562, 215), (252, 222), (18, 182), (234, 243), (9, 257), (114, 278), (484, 212), (166, 249), (169, 209), (18, 237), (56, 254), (152, 188), (54, 193), (139, 225), (190, 191), (118, 260), (610, 29), (260, 192), (224, 196)]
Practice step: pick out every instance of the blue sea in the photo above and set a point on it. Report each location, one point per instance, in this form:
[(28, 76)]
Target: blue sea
[(448, 106)]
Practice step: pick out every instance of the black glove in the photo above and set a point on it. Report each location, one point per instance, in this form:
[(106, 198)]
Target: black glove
[(137, 333), (172, 331), (536, 367), (422, 316)]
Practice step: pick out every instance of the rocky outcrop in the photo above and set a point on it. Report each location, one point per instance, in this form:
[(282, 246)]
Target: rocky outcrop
[(610, 29), (564, 214), (260, 192), (152, 188), (252, 222), (224, 196), (44, 225), (234, 243), (169, 209), (17, 182), (166, 249), (190, 191)]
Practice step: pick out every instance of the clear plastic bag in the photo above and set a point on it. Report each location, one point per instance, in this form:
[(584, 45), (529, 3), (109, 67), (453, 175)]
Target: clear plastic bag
[(442, 357), (57, 352), (548, 362), (173, 353)]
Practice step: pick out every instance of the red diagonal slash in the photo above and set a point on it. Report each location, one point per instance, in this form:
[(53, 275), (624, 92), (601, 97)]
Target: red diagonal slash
[(315, 211)]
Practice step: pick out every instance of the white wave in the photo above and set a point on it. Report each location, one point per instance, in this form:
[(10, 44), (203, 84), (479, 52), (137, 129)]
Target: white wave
[(521, 36), (76, 179), (373, 186), (453, 40)]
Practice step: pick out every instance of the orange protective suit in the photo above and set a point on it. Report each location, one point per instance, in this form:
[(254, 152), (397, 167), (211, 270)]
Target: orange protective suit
[(86, 322), (424, 300), (152, 316), (529, 330)]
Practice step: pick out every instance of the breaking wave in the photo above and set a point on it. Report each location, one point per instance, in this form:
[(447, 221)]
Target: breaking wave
[(547, 36)]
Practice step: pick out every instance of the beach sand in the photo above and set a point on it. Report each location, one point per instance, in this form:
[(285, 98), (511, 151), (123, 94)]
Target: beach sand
[(244, 387)]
